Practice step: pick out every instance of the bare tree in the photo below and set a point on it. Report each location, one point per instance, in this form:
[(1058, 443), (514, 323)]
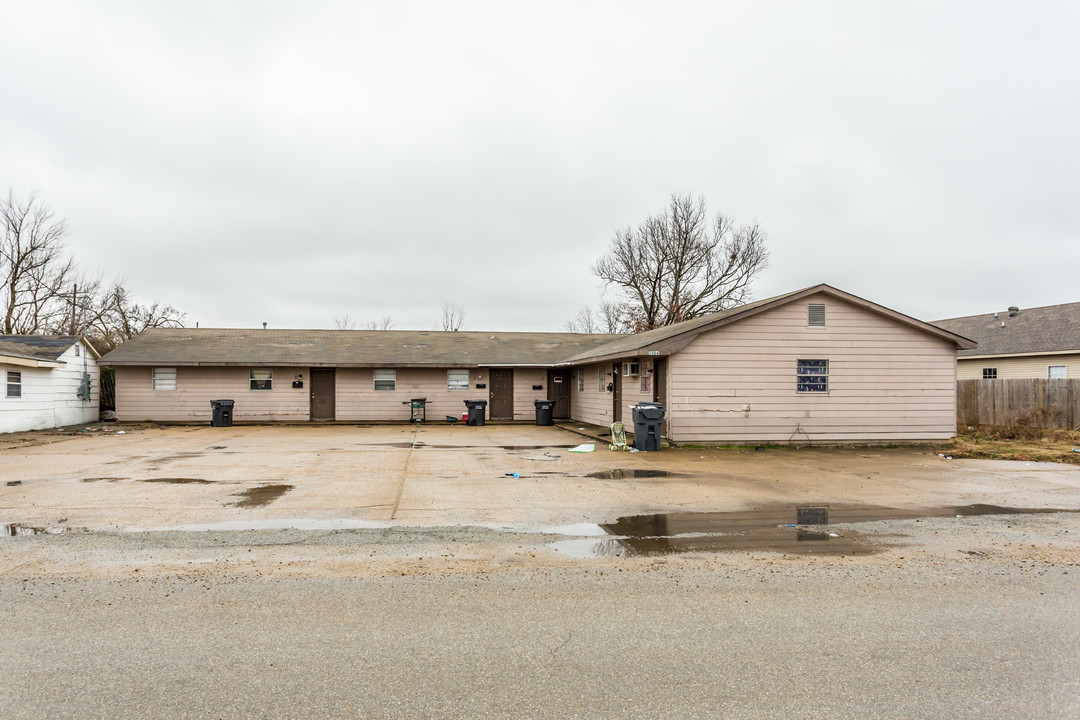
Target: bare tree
[(34, 268), (386, 323), (453, 315), (345, 322), (609, 319), (114, 316), (677, 265), (584, 322)]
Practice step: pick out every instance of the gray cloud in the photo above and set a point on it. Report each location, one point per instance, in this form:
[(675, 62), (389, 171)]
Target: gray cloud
[(288, 163)]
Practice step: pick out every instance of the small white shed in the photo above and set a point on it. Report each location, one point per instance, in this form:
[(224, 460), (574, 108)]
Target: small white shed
[(47, 381)]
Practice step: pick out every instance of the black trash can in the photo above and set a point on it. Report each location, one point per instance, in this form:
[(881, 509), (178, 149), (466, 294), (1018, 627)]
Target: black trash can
[(544, 410), (477, 411), (223, 412), (648, 417)]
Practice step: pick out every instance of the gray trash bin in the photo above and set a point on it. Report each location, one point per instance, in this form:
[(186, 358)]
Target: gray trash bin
[(223, 412), (477, 411), (544, 409), (648, 417)]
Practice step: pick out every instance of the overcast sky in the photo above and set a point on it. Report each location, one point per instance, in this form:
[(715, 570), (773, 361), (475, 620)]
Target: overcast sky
[(292, 162)]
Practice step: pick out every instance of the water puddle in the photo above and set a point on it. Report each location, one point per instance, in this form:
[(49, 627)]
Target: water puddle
[(636, 473), (178, 481), (13, 483), (101, 479), (773, 529), (16, 529), (261, 495)]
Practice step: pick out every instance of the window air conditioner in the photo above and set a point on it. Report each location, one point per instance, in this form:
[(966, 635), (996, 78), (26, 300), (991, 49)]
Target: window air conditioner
[(631, 369)]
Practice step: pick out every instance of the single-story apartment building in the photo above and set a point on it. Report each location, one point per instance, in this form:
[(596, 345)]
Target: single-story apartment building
[(48, 381), (1041, 342), (817, 364)]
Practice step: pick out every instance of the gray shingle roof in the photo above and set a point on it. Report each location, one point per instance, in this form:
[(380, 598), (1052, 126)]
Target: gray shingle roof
[(36, 347), (188, 346), (1053, 328)]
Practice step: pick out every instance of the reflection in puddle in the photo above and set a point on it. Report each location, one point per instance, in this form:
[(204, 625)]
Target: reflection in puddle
[(15, 529), (261, 495), (636, 473), (764, 529)]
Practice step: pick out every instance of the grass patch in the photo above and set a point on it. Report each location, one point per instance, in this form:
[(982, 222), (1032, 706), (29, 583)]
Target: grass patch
[(1015, 443)]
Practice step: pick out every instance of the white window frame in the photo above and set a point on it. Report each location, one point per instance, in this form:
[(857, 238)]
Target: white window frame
[(454, 379), (162, 379), (389, 375), (1064, 372), (810, 315), (601, 377), (580, 379), (15, 385), (809, 379), (269, 379), (989, 373)]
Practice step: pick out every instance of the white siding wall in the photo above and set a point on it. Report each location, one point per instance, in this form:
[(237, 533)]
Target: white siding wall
[(49, 395), (887, 381), (137, 400), (1019, 367)]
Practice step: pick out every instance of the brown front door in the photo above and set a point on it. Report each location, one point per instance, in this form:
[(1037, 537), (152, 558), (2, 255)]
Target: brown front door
[(559, 392), (323, 386), (616, 395), (502, 395), (659, 392)]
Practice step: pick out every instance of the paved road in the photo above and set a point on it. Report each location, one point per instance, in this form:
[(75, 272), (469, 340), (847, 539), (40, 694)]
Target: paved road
[(971, 638)]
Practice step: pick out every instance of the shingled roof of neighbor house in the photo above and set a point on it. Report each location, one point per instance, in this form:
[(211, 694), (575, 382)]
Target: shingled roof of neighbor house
[(672, 338), (349, 348), (36, 347), (1049, 329)]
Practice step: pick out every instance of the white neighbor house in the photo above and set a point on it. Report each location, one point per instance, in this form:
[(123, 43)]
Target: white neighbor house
[(47, 381)]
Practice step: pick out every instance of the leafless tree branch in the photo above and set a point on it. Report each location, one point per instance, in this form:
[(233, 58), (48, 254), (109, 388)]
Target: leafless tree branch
[(453, 315), (677, 265)]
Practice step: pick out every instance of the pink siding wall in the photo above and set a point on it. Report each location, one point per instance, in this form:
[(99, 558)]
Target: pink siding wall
[(137, 400), (356, 398), (590, 405), (887, 381)]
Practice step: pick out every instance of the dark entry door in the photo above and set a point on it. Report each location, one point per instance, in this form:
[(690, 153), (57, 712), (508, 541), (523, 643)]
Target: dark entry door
[(559, 392), (616, 396), (660, 380), (502, 395), (323, 385)]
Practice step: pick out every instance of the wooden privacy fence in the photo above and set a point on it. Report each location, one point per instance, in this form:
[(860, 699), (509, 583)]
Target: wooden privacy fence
[(1024, 402)]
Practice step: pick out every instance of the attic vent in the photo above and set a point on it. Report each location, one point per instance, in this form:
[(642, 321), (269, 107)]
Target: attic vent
[(816, 316)]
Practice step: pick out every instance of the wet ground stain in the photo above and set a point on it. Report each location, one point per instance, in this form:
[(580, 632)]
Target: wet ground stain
[(623, 473), (178, 481), (13, 483), (766, 529), (17, 530), (101, 479), (261, 495)]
